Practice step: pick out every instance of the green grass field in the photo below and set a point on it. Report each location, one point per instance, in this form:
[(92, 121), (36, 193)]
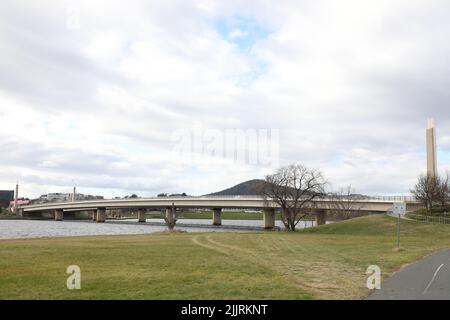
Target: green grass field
[(327, 262)]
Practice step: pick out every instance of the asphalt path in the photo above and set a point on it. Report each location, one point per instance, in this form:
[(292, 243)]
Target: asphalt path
[(427, 279)]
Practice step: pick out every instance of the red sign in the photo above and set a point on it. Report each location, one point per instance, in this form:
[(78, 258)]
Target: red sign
[(20, 202)]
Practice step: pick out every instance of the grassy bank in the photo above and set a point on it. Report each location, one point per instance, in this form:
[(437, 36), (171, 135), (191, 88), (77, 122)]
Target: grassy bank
[(325, 262)]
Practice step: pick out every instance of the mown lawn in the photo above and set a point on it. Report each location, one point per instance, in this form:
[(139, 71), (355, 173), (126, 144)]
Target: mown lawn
[(327, 262)]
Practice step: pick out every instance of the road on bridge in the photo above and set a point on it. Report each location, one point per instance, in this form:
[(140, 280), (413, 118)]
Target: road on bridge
[(426, 279)]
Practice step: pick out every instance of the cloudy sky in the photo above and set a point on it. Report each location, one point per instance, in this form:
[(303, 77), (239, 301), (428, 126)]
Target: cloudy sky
[(106, 94)]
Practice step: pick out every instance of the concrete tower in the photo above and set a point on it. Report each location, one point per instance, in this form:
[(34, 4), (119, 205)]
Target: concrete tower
[(74, 193), (431, 149), (16, 196)]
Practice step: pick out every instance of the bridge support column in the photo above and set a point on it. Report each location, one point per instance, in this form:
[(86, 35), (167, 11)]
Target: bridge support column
[(94, 215), (170, 214), (101, 215), (321, 217), (217, 216), (269, 218), (20, 213), (59, 215), (141, 215)]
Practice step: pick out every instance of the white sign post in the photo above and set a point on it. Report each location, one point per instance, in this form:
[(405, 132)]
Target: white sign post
[(399, 210)]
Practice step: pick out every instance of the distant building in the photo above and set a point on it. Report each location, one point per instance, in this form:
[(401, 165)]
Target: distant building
[(6, 196), (63, 197), (90, 197), (57, 197)]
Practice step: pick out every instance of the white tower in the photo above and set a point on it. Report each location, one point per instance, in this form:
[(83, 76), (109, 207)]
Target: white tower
[(431, 148), (16, 196)]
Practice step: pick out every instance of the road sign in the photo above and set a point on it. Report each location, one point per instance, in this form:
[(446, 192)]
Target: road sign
[(399, 208)]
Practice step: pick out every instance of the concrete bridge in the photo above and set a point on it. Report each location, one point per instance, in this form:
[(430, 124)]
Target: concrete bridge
[(216, 204)]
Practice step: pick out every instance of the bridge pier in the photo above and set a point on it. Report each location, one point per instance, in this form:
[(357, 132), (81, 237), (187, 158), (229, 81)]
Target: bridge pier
[(59, 215), (141, 215), (321, 217), (101, 215), (269, 218), (217, 216), (20, 213), (94, 215)]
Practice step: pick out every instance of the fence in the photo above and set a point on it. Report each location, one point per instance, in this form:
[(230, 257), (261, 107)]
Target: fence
[(393, 198), (432, 219)]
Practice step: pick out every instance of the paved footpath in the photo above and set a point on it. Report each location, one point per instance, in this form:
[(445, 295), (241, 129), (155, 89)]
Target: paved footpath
[(426, 279)]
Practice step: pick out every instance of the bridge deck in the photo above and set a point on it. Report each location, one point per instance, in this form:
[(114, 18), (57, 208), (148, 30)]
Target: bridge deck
[(232, 202)]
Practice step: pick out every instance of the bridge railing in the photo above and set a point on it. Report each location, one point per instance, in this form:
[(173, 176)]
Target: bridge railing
[(380, 198), (393, 198), (254, 197)]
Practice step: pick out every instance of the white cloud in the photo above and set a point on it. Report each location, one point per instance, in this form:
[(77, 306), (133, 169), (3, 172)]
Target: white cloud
[(349, 84), (237, 33)]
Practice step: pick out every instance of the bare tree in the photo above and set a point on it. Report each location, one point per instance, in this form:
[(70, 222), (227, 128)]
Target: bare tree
[(427, 191), (344, 202), (294, 188), (443, 191)]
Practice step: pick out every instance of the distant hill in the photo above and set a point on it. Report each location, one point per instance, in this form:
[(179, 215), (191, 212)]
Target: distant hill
[(247, 188), (254, 187)]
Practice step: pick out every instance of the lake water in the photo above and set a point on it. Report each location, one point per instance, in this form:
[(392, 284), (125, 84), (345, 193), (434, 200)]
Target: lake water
[(18, 229)]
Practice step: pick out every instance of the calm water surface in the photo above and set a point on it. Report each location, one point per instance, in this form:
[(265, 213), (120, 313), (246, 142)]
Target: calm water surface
[(17, 229)]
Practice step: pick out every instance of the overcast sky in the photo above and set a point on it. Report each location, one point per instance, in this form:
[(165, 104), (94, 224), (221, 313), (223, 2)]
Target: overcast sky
[(102, 94)]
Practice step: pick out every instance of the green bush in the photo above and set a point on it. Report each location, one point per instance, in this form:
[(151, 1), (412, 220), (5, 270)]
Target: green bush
[(437, 211)]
